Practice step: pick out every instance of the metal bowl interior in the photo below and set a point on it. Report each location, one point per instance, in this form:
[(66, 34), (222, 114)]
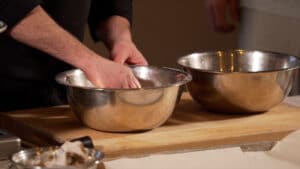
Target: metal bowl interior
[(240, 81), (23, 159), (125, 110), (150, 77), (239, 61)]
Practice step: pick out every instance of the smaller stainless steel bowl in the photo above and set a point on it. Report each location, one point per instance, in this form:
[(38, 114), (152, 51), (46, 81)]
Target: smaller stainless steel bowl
[(239, 81), (23, 159), (123, 110)]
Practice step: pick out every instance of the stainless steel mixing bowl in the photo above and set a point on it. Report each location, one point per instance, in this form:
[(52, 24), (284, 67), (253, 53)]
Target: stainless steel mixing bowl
[(239, 81), (25, 159), (122, 110)]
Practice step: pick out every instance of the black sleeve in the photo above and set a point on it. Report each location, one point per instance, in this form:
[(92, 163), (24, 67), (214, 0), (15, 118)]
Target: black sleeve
[(103, 9), (12, 11)]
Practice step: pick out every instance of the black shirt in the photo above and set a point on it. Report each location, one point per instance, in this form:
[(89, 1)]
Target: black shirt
[(27, 75)]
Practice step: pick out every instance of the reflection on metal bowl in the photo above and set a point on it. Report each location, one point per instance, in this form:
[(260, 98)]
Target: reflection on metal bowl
[(123, 110), (239, 81), (30, 158)]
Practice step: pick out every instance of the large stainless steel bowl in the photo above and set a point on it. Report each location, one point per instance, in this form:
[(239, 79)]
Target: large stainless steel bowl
[(239, 81), (122, 110)]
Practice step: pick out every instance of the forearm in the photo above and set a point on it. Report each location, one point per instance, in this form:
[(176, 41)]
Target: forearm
[(115, 28), (116, 34), (38, 30)]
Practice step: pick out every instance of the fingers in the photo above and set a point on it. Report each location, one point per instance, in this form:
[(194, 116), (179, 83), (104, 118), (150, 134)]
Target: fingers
[(217, 10), (107, 74), (137, 59), (134, 57), (120, 57), (126, 84), (209, 11), (234, 10), (95, 82), (140, 59), (128, 80), (127, 52), (132, 80), (136, 83)]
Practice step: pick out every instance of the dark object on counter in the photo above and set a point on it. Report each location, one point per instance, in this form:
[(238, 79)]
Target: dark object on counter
[(9, 144), (86, 141), (239, 81)]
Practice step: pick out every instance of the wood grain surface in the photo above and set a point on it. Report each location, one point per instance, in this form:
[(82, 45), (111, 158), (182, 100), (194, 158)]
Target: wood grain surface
[(189, 128)]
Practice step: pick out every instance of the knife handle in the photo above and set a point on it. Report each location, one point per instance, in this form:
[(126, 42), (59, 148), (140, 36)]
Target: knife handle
[(86, 141)]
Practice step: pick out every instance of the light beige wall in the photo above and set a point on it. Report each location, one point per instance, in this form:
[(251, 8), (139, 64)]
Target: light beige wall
[(166, 29)]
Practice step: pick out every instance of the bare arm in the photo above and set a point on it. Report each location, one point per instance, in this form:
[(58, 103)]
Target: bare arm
[(38, 30), (116, 34), (113, 29)]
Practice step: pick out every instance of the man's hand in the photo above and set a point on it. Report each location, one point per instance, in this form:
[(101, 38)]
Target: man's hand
[(115, 32), (126, 52), (107, 74), (38, 30), (217, 11)]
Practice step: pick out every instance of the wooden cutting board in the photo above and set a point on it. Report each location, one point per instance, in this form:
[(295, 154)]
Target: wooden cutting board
[(189, 128)]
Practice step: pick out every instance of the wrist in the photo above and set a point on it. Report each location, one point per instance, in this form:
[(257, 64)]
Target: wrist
[(114, 30), (79, 56), (124, 37), (88, 61), (114, 44)]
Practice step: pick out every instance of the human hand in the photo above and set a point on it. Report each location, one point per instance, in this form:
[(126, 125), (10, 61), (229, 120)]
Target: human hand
[(125, 51), (217, 13), (104, 73), (55, 41), (116, 34)]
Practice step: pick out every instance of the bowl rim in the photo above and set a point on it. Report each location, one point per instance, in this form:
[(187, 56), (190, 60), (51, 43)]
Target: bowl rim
[(60, 78), (95, 161), (297, 66)]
